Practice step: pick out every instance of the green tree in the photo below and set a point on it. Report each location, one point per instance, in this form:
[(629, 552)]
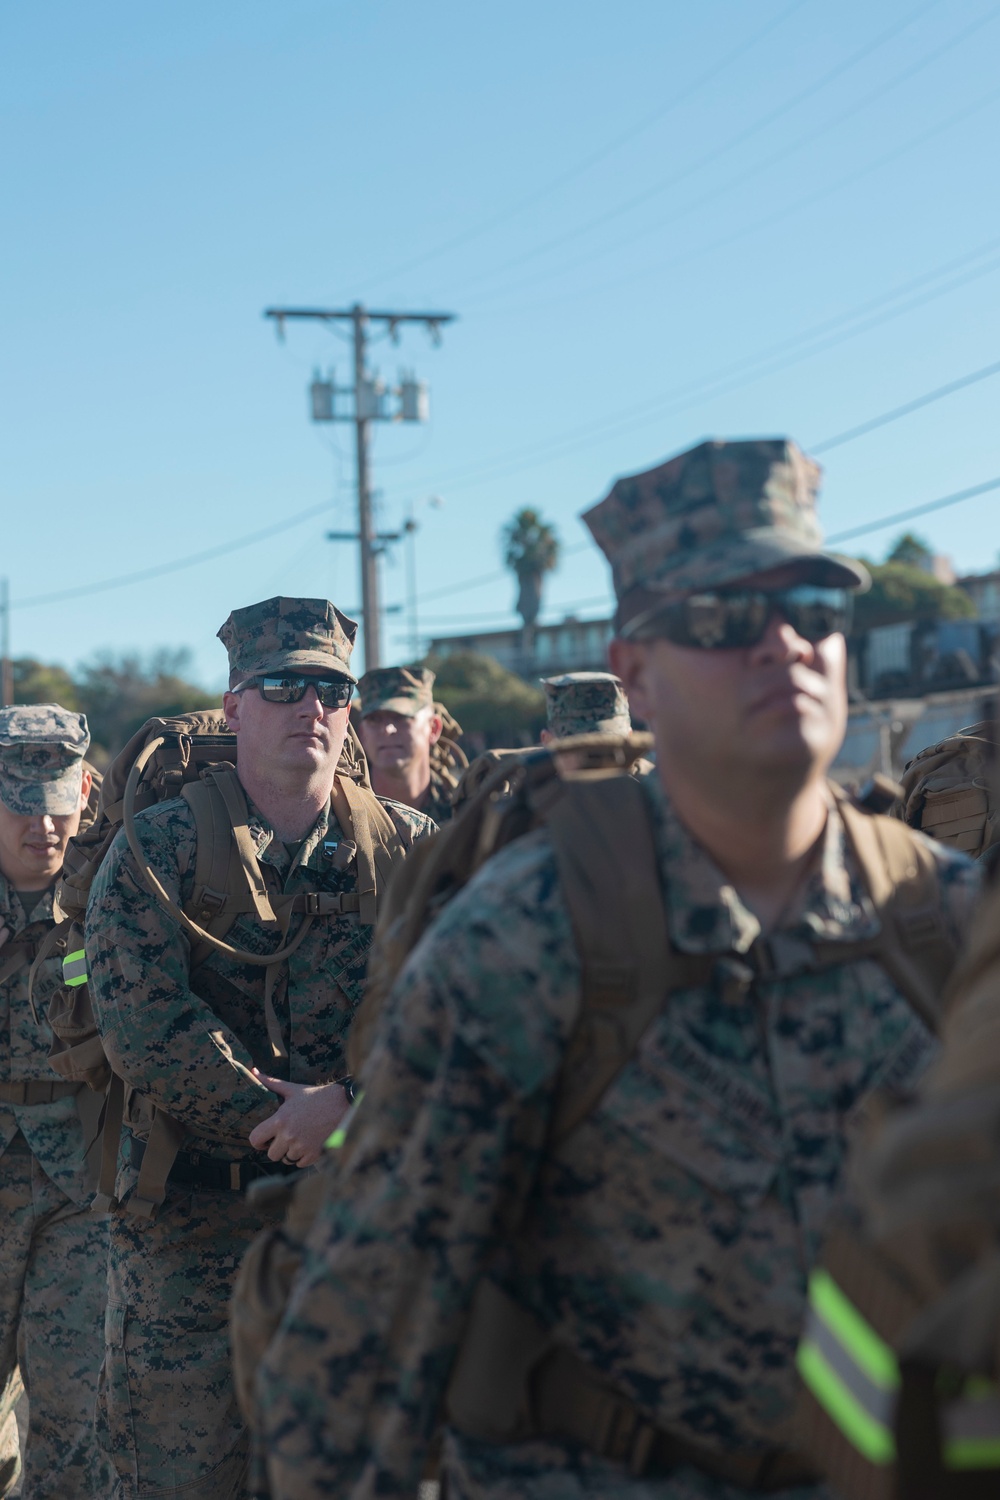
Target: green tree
[(493, 706), (119, 693), (530, 550), (37, 682), (912, 550)]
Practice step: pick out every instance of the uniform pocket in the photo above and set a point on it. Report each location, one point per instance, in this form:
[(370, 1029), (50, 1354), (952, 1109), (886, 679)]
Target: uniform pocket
[(680, 1105), (114, 1418)]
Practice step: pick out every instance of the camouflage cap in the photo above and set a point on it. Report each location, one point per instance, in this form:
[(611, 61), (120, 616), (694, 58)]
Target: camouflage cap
[(398, 690), (281, 635), (41, 759), (586, 703), (718, 513)]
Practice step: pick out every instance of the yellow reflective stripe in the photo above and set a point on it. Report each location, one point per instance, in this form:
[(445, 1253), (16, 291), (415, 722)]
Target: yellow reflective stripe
[(74, 968), (871, 1439), (872, 1354), (336, 1140)]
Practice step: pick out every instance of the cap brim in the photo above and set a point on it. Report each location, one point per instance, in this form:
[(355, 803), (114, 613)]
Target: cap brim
[(736, 560), (405, 706), (301, 661), (27, 799), (616, 727)]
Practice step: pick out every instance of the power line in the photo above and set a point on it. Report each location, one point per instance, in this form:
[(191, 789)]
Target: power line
[(789, 148), (475, 583), (839, 536), (773, 360), (695, 167), (660, 265), (538, 194), (906, 409), (157, 571), (917, 510)]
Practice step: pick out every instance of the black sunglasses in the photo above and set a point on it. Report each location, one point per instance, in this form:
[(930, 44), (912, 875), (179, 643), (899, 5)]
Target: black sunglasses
[(332, 692), (740, 617)]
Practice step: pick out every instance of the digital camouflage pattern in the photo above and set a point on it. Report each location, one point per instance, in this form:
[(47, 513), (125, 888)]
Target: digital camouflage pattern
[(398, 690), (289, 635), (52, 1249), (716, 513), (41, 759), (52, 1267), (666, 1241), (170, 1035), (53, 1131), (586, 703)]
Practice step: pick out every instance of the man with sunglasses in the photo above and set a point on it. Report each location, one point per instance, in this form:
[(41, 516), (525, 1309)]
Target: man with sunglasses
[(617, 1308), (247, 1062)]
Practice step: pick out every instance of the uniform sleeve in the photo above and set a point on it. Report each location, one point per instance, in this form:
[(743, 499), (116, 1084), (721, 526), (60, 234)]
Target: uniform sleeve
[(437, 1166), (156, 1031)]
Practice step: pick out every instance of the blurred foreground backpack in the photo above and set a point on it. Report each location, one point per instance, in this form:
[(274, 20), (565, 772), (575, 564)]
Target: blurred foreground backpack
[(901, 1356), (601, 832), (948, 790), (192, 756)]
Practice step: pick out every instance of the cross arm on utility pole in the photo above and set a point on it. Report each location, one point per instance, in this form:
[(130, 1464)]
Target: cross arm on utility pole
[(331, 314), (361, 318)]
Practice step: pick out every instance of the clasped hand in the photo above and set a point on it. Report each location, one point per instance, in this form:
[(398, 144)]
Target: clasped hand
[(303, 1122)]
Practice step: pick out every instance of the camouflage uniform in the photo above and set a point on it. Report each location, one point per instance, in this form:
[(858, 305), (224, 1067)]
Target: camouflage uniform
[(665, 1242), (167, 1412), (407, 690), (586, 703), (53, 1251)]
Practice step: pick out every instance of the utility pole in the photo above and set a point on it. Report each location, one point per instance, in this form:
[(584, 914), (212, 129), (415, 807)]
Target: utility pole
[(369, 405)]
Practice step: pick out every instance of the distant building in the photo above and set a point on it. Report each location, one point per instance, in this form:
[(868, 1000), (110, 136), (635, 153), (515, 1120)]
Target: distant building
[(571, 645), (984, 591)]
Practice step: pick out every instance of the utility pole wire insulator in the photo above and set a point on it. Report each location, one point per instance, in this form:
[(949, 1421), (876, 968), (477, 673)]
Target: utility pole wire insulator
[(369, 395)]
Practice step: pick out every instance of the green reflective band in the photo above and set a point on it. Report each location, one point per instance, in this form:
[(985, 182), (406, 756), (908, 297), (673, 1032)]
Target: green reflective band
[(872, 1354), (974, 1453), (971, 1427), (336, 1140), (871, 1439), (74, 968)]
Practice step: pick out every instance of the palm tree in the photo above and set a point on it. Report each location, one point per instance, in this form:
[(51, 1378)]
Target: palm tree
[(531, 549)]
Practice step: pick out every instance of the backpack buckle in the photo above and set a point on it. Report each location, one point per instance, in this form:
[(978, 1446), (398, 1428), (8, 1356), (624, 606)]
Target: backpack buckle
[(626, 1438), (210, 903), (321, 903)]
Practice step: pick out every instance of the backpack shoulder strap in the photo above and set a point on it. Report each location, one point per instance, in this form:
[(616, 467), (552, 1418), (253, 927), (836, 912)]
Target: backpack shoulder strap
[(913, 944), (228, 879), (380, 848), (602, 834)]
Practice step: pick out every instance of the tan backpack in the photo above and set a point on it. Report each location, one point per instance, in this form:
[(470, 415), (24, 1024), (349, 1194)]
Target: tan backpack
[(448, 760), (602, 838), (948, 792), (191, 755)]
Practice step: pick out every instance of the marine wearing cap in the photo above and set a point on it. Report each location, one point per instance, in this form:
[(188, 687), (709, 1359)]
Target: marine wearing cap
[(644, 1260), (719, 513), (41, 759), (397, 690), (410, 757), (52, 1247), (308, 828), (286, 635), (586, 703)]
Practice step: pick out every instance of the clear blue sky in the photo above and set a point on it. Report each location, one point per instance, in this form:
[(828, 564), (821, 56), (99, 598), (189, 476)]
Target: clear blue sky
[(656, 222)]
